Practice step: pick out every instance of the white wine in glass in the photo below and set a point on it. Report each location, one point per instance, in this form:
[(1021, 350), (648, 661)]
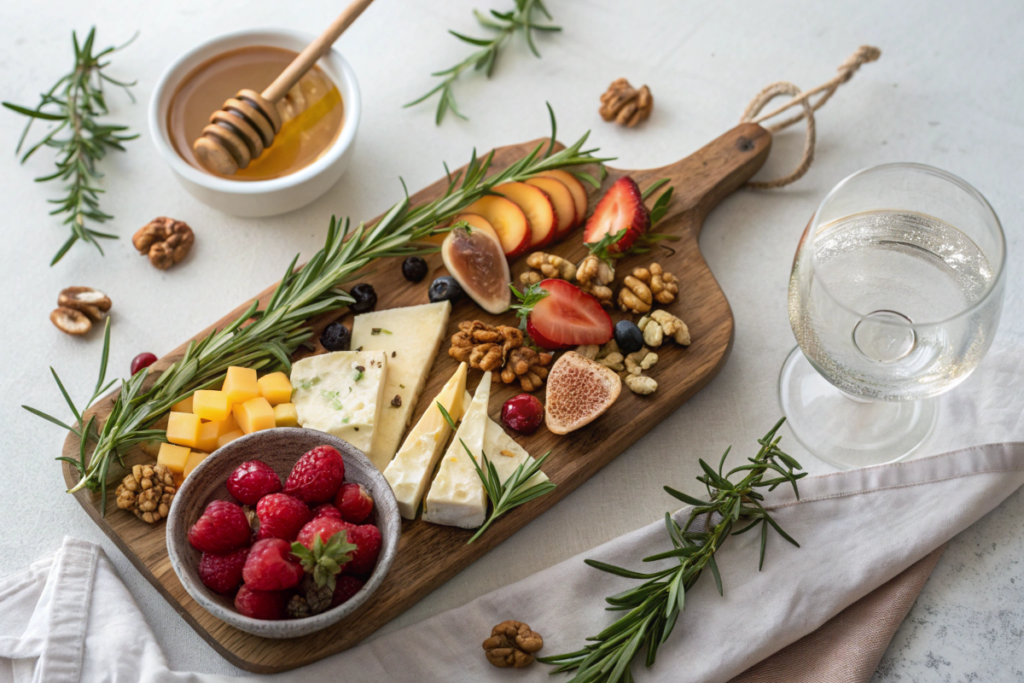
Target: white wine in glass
[(894, 297)]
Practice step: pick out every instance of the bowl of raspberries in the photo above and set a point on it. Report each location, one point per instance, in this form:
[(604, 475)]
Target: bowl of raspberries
[(283, 532)]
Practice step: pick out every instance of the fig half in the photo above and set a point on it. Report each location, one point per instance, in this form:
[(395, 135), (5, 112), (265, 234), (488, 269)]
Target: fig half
[(476, 260)]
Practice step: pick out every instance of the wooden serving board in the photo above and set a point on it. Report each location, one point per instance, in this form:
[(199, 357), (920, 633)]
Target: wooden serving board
[(430, 555)]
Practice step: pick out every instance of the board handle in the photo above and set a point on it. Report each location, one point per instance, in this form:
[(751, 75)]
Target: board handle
[(715, 171)]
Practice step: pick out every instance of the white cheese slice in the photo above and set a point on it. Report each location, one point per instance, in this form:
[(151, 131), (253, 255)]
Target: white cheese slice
[(457, 496), (341, 393), (411, 337), (409, 472), (506, 455)]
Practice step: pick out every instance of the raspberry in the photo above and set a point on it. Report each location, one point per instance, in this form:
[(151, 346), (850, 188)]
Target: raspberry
[(251, 481), (368, 540), (223, 527), (325, 528), (317, 476), (271, 566), (281, 516), (261, 604), (344, 588), (223, 573), (326, 510), (354, 502)]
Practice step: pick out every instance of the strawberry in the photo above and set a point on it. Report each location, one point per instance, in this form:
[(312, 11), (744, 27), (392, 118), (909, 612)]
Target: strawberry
[(621, 210), (326, 510), (223, 527), (560, 315), (324, 561), (367, 540), (354, 503), (281, 516), (323, 528), (345, 588), (271, 566), (317, 475), (261, 604), (251, 481), (223, 573)]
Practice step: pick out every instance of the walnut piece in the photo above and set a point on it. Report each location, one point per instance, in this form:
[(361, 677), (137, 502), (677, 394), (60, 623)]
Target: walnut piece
[(645, 286), (641, 360), (70, 320), (641, 384), (593, 275), (512, 644), (92, 302), (626, 105), (672, 326), (550, 266), (528, 366), (482, 346), (165, 240), (147, 491)]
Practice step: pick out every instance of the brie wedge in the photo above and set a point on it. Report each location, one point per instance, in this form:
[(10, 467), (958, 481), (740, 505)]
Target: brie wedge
[(341, 393), (457, 496), (411, 338), (506, 455), (409, 472)]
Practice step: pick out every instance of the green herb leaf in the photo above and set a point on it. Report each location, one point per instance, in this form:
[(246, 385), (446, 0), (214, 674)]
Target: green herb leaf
[(528, 298)]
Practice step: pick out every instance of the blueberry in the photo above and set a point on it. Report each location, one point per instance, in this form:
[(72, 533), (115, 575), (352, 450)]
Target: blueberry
[(365, 298), (628, 336), (336, 337), (445, 288), (414, 269)]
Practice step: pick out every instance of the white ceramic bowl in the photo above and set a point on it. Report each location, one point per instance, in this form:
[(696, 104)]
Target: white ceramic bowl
[(259, 197)]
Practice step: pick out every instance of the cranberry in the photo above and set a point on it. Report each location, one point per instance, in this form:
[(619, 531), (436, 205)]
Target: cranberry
[(143, 360), (523, 413)]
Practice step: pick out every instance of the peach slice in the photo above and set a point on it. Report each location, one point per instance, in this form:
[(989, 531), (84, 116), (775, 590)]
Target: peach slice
[(507, 220), (579, 193), (539, 210), (561, 199)]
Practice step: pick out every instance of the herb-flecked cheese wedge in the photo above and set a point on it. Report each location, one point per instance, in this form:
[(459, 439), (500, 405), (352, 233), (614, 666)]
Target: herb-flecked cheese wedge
[(341, 393), (506, 455)]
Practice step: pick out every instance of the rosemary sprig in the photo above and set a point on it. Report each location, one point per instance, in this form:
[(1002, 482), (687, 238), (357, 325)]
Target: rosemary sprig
[(648, 240), (75, 103), (509, 494), (266, 339), (652, 608), (505, 23)]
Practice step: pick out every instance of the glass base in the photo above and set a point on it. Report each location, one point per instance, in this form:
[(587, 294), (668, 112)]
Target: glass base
[(849, 432)]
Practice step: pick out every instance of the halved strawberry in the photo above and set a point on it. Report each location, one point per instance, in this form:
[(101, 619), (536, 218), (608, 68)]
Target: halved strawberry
[(560, 315), (621, 210)]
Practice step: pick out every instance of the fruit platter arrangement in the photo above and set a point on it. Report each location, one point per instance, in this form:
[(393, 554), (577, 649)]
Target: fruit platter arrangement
[(488, 344)]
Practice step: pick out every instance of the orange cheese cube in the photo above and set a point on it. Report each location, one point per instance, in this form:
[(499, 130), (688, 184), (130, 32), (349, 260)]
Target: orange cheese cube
[(285, 415), (208, 434), (228, 425), (182, 406), (225, 439), (173, 457), (183, 429), (211, 405), (194, 458), (276, 388), (254, 415), (240, 385)]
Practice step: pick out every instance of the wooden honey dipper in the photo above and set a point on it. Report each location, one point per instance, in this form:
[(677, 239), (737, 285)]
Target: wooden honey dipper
[(247, 123)]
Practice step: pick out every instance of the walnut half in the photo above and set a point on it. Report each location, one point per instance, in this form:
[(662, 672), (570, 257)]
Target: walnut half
[(166, 241), (512, 644)]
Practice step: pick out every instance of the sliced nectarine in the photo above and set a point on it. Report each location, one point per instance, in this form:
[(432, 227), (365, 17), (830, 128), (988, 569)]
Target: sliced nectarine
[(561, 199), (507, 219), (538, 209), (579, 193)]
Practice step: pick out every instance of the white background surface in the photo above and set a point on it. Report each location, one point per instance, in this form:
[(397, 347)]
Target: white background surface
[(946, 92)]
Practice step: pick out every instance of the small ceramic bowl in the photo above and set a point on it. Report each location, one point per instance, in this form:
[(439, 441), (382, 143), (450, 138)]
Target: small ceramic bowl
[(279, 448), (258, 197)]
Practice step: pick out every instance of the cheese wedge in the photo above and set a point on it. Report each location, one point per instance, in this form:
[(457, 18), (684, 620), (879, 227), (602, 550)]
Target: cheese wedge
[(341, 393), (411, 338), (506, 455), (457, 496), (409, 472)]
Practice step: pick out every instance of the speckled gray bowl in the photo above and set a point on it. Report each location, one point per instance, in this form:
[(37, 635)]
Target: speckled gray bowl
[(279, 448)]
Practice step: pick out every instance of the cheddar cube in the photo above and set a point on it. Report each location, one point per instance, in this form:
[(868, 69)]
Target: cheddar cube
[(182, 406), (240, 385), (194, 458), (211, 405), (254, 415), (225, 439), (208, 434), (276, 388), (183, 429), (173, 457), (225, 426), (285, 415)]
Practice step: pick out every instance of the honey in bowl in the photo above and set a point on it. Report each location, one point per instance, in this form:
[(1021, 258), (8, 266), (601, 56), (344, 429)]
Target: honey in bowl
[(312, 112)]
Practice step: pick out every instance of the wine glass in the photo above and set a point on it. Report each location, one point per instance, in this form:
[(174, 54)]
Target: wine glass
[(894, 297)]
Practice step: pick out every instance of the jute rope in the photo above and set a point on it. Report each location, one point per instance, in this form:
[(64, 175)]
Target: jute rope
[(863, 55)]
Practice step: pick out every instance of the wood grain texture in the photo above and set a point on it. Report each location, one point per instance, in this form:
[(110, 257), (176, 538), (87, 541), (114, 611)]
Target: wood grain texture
[(430, 555)]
